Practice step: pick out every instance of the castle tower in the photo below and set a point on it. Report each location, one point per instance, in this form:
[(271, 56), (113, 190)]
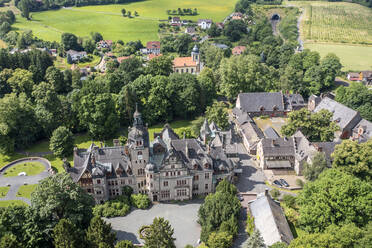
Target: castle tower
[(139, 143)]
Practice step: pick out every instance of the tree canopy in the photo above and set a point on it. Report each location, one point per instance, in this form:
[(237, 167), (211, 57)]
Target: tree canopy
[(315, 126), (159, 234)]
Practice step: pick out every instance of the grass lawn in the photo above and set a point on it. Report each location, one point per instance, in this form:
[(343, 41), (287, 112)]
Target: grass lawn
[(61, 63), (31, 169), (26, 190), (108, 20), (12, 202), (353, 57), (3, 191)]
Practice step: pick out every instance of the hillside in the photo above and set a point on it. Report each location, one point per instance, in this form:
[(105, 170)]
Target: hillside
[(108, 20)]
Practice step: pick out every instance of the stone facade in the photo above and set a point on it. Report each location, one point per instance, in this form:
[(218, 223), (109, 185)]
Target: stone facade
[(168, 168)]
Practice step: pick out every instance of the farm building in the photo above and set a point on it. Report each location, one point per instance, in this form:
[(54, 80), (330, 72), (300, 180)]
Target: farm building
[(353, 76), (75, 55), (366, 77), (204, 23)]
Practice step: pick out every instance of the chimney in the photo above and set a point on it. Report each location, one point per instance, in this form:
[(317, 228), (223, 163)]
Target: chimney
[(93, 160)]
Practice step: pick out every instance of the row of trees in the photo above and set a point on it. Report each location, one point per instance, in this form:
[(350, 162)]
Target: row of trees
[(182, 12)]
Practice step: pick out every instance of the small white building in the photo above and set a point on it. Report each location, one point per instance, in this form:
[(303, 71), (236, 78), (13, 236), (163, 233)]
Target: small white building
[(205, 23)]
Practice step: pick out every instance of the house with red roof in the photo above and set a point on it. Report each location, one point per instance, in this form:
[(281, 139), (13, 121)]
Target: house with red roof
[(238, 50), (153, 47), (188, 64)]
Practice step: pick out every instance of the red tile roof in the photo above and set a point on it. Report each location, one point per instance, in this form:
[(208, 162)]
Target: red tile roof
[(151, 56), (183, 62), (153, 44), (238, 50)]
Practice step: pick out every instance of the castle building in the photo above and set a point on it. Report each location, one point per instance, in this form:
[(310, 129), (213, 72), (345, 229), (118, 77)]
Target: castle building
[(168, 168)]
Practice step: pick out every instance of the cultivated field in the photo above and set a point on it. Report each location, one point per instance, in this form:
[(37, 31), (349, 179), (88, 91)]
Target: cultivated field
[(353, 57), (336, 22), (337, 27), (107, 19)]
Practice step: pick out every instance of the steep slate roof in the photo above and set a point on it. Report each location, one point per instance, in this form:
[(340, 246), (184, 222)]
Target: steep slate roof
[(303, 147), (277, 147), (327, 147), (252, 102), (342, 115), (183, 62), (269, 219)]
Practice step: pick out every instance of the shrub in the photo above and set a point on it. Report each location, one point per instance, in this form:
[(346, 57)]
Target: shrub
[(299, 183), (250, 224), (140, 201), (275, 193), (289, 200)]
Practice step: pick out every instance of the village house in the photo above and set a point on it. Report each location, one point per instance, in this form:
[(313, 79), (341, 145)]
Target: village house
[(270, 220), (188, 64), (238, 50), (269, 103), (168, 168), (75, 55), (104, 44), (346, 118), (204, 23), (153, 47), (353, 76), (176, 20), (237, 16), (190, 30), (366, 77)]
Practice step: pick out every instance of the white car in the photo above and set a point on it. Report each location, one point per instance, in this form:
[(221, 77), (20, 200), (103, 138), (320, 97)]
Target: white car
[(22, 174)]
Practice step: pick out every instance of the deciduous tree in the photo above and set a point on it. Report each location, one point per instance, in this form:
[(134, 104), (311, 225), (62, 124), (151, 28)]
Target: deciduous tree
[(313, 170), (62, 142)]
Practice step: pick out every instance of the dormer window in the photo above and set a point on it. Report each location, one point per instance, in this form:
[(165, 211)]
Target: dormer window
[(262, 108), (206, 166), (195, 166)]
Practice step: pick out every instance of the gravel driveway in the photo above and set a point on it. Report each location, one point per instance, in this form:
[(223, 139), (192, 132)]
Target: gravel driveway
[(182, 217)]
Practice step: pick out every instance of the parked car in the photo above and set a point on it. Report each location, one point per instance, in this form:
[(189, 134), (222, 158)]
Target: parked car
[(284, 182), (25, 183), (277, 183)]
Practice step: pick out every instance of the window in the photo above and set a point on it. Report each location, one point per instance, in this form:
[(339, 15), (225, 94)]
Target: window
[(116, 182), (206, 175), (195, 187), (181, 192), (130, 181), (192, 70), (166, 174), (165, 183), (181, 70), (98, 181), (150, 175), (206, 186), (178, 173), (89, 190), (187, 69), (108, 182), (151, 185), (181, 182), (122, 181), (165, 194), (196, 177)]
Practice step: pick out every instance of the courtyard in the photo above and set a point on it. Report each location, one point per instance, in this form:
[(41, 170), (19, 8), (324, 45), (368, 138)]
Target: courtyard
[(182, 216), (274, 122)]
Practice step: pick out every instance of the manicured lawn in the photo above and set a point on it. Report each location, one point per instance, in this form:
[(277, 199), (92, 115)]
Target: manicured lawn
[(61, 63), (26, 190), (4, 204), (3, 191), (31, 169), (353, 57), (107, 19)]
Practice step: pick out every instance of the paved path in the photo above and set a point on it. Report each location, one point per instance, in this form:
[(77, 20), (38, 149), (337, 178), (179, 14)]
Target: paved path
[(17, 181), (182, 217)]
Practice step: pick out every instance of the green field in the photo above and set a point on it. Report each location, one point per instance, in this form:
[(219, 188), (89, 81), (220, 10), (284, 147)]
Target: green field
[(26, 190), (31, 169), (352, 57), (107, 19)]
